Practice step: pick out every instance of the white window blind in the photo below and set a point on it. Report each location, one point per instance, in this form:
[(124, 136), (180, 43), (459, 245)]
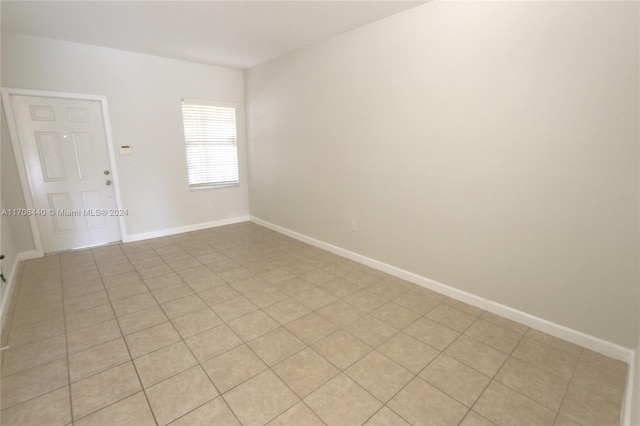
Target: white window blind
[(210, 136)]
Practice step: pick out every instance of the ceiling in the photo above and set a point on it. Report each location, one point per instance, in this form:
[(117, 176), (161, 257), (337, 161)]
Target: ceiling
[(236, 34)]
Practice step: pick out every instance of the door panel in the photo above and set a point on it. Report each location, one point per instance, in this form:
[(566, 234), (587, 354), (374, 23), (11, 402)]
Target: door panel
[(65, 151)]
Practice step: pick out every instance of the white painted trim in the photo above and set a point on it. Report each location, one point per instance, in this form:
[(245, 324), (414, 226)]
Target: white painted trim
[(590, 342), (11, 282), (629, 392), (25, 181), (181, 229)]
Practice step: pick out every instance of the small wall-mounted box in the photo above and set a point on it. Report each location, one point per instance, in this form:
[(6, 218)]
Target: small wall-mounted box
[(126, 150)]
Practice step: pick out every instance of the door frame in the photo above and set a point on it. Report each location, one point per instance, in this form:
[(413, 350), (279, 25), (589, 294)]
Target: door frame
[(25, 180)]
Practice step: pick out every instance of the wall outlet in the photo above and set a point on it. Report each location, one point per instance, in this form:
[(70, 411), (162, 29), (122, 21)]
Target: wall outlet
[(354, 226)]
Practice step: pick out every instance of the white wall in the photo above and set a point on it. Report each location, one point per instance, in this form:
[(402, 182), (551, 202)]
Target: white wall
[(490, 146), (143, 94), (15, 232)]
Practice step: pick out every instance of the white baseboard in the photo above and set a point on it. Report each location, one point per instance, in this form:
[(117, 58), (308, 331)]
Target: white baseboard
[(11, 282), (631, 394), (574, 336), (182, 229)]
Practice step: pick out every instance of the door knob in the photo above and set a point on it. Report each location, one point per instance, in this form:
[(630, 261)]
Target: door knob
[(106, 172), (108, 182)]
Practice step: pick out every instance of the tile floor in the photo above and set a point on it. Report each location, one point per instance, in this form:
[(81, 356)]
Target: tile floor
[(242, 325)]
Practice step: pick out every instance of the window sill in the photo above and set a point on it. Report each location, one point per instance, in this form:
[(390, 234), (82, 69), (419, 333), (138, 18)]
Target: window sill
[(206, 187)]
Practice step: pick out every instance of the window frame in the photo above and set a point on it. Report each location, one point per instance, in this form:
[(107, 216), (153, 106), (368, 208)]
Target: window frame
[(206, 102)]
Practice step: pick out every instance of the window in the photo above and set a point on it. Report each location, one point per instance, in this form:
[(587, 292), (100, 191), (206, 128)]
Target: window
[(210, 136)]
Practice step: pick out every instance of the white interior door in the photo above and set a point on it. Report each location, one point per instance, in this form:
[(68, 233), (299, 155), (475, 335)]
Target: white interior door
[(64, 146)]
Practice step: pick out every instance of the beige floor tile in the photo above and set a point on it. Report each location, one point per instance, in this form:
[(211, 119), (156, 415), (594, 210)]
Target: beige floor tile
[(28, 315), (126, 291), (142, 320), (501, 338), (119, 268), (183, 306), (260, 399), (154, 271), (314, 299), (288, 282), (451, 317), (305, 371), (213, 342), (477, 355), (365, 300), (421, 403), (419, 302), (342, 402), (97, 358), (341, 349), (299, 414), (503, 406), (462, 306), (432, 333), (395, 315), (37, 331), (589, 408), (164, 363), (293, 286), (286, 311), (93, 335), (341, 313), (311, 328), (379, 375), (543, 387), (83, 288), (218, 295), (408, 352), (276, 275), (601, 375), (196, 322), (370, 330), (251, 284), (80, 319), (565, 421), (455, 379), (234, 308), (339, 288), (253, 325), (163, 281), (386, 417), (318, 277), (235, 274), (126, 279), (233, 367), (215, 412), (176, 291), (52, 409), (133, 304), (546, 357), (276, 345), (554, 342), (390, 287), (103, 389), (31, 383), (474, 419), (361, 278), (81, 303), (152, 338), (266, 297), (189, 267), (201, 284), (27, 356), (180, 394), (131, 411)]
